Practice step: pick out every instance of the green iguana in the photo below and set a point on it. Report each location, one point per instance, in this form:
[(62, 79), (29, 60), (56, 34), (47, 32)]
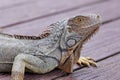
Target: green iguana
[(57, 47)]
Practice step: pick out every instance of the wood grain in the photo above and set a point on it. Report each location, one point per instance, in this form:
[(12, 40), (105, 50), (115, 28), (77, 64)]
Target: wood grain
[(103, 45), (108, 69), (36, 9), (100, 46), (6, 4), (105, 42), (37, 26)]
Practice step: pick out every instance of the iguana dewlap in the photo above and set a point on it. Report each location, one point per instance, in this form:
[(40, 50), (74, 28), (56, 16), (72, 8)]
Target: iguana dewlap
[(59, 46)]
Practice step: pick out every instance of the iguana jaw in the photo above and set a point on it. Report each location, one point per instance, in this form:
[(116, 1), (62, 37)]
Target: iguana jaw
[(91, 30), (90, 34)]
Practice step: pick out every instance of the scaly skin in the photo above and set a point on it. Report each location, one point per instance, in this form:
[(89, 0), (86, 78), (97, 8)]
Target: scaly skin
[(59, 46)]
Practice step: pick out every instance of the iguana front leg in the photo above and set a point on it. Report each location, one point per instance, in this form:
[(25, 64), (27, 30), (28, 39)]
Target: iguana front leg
[(87, 61), (33, 63)]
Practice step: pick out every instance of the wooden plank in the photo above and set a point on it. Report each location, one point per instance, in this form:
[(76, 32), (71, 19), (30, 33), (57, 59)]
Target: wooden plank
[(38, 9), (108, 30), (5, 4), (48, 76), (4, 77), (103, 44), (29, 76), (37, 26), (105, 32), (108, 69)]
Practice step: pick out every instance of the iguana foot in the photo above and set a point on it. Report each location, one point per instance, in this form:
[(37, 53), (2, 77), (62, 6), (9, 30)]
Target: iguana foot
[(87, 61), (17, 76)]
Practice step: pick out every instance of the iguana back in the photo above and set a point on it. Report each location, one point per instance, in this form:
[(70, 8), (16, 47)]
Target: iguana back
[(12, 45)]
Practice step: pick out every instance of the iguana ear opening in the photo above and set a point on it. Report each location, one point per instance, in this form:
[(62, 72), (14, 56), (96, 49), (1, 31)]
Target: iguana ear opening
[(70, 42)]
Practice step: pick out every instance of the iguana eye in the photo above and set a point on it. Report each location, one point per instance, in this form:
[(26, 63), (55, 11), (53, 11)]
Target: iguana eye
[(71, 42), (79, 19)]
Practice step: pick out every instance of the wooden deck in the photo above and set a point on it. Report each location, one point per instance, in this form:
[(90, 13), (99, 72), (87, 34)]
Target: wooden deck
[(30, 17)]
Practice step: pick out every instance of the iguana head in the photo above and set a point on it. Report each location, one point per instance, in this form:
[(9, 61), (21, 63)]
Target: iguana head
[(77, 30), (81, 28)]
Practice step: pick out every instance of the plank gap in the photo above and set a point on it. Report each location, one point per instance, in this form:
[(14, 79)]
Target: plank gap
[(106, 57), (55, 13), (66, 74), (111, 20)]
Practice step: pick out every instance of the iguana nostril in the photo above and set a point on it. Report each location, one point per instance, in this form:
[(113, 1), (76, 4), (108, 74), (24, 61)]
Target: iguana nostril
[(98, 16)]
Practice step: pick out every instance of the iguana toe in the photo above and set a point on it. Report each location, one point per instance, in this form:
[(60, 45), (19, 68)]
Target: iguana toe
[(87, 61)]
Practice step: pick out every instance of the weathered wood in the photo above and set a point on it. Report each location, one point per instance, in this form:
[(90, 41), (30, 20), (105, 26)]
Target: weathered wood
[(37, 26), (4, 76), (108, 69), (47, 76), (38, 9), (5, 4), (105, 42), (102, 45)]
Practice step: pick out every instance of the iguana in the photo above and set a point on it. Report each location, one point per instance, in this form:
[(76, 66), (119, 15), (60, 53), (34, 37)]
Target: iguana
[(58, 47)]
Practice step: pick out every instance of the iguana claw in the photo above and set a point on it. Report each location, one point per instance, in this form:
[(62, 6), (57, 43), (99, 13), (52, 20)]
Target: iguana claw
[(87, 61)]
